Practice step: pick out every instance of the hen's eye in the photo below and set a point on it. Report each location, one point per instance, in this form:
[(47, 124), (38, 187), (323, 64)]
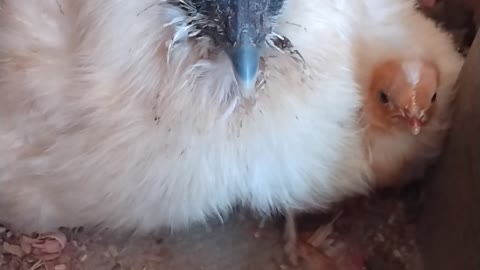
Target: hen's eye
[(383, 97), (434, 97)]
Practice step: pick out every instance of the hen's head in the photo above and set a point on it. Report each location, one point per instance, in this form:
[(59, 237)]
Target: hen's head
[(241, 28), (402, 94)]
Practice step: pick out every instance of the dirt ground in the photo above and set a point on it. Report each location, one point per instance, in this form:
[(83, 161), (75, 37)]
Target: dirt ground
[(381, 228)]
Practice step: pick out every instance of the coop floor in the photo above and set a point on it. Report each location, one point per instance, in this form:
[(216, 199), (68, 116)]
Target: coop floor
[(381, 226)]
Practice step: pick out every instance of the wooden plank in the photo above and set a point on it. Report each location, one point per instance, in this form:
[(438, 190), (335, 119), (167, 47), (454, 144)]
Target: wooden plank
[(449, 230)]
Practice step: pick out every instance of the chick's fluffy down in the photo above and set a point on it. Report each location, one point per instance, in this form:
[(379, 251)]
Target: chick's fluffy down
[(398, 156)]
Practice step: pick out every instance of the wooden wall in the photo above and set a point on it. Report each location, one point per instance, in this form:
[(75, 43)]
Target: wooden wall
[(449, 230)]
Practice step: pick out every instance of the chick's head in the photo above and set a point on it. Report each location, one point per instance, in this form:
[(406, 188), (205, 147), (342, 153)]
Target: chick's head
[(402, 94)]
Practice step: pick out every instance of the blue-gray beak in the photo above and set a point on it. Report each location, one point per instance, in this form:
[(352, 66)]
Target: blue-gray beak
[(245, 59), (245, 33)]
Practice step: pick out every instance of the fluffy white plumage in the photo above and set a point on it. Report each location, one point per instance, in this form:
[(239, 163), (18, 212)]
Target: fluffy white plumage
[(97, 128)]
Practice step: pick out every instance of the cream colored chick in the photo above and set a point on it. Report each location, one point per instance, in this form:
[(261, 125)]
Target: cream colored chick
[(151, 113), (399, 107), (407, 67)]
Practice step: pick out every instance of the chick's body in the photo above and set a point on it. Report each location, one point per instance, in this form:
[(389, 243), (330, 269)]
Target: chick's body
[(102, 122), (407, 68), (401, 102)]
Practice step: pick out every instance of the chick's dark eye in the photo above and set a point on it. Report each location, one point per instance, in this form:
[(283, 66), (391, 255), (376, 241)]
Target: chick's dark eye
[(383, 97), (434, 97)]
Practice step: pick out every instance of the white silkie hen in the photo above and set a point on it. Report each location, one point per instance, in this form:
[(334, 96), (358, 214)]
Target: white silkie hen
[(150, 113)]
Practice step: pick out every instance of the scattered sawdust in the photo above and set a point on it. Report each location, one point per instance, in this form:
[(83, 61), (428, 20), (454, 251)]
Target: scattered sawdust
[(373, 233), (32, 252)]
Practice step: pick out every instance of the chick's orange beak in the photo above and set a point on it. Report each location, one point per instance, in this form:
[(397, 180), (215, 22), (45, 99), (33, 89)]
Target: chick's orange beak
[(415, 124), (414, 117)]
